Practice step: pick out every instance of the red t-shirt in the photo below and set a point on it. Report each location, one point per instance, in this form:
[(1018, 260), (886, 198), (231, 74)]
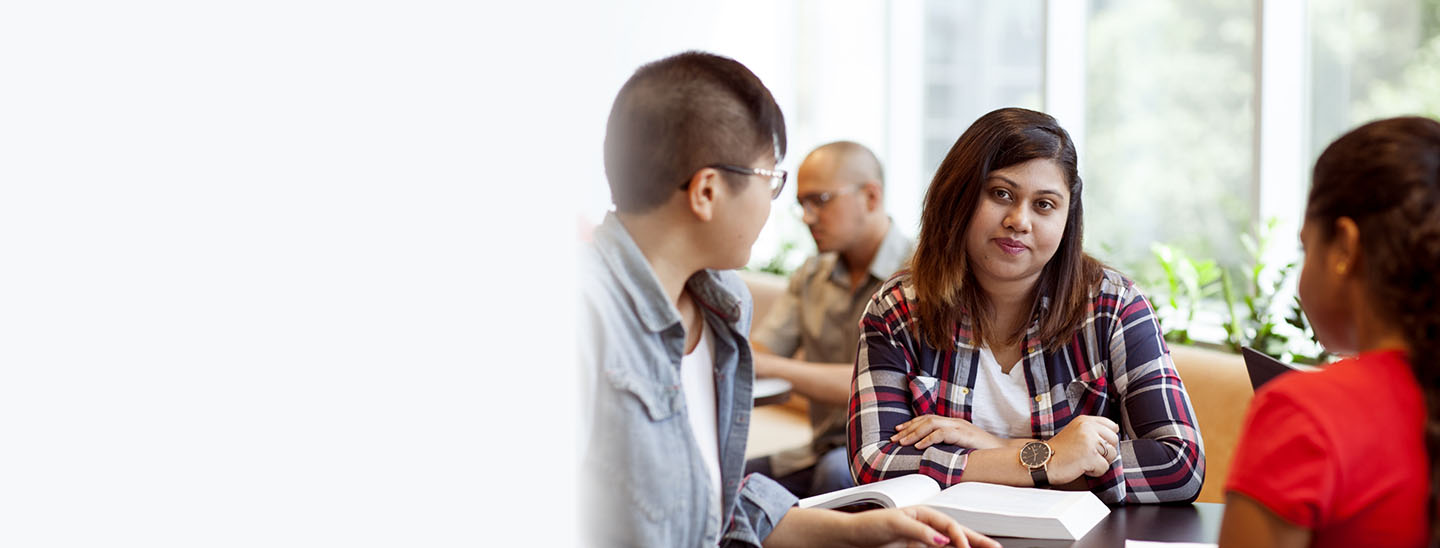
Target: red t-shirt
[(1340, 452)]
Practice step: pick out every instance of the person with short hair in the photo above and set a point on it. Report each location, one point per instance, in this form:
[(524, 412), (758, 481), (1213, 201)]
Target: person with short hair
[(691, 149), (841, 191)]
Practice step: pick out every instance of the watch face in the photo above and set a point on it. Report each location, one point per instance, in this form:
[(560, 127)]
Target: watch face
[(1034, 454)]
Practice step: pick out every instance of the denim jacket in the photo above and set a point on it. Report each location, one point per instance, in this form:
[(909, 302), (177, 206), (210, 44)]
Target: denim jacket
[(643, 480)]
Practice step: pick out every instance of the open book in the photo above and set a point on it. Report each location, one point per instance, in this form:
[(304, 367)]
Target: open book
[(996, 510)]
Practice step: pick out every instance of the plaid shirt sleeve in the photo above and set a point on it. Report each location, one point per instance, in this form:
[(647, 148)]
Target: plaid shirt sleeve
[(881, 396), (1117, 366), (1162, 455)]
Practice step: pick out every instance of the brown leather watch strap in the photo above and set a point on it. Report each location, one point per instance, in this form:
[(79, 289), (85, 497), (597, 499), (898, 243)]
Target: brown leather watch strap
[(1040, 476)]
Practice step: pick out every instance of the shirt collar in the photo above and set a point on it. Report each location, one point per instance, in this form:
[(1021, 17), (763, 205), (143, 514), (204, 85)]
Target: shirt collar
[(634, 275), (889, 258), (894, 250)]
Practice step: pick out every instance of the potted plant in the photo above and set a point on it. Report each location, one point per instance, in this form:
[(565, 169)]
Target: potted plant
[(1260, 310)]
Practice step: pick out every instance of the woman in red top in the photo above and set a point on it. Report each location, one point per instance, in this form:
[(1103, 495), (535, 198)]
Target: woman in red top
[(1346, 457)]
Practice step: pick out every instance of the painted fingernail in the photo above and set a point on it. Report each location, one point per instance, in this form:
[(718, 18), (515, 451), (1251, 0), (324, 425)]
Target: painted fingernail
[(942, 540)]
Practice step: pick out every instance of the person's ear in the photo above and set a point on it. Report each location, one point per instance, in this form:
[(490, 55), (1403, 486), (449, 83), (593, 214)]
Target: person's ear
[(874, 195), (1345, 248), (700, 195)]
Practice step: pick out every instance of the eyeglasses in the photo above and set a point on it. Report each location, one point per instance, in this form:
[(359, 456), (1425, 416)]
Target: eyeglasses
[(777, 176), (813, 202)]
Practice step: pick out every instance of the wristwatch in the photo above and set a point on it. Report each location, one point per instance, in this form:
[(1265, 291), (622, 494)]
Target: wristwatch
[(1035, 455)]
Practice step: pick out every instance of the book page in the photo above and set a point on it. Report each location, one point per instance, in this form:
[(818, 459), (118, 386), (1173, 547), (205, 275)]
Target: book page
[(1003, 499), (892, 493)]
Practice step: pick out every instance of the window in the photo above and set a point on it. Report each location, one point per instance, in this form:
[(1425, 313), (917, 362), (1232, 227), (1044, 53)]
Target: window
[(979, 56), (1169, 128), (1368, 60)]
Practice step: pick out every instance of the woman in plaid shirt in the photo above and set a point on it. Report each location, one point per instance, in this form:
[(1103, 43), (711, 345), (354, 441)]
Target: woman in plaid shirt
[(1061, 379)]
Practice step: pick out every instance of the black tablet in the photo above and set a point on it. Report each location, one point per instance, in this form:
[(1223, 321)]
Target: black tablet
[(1263, 368)]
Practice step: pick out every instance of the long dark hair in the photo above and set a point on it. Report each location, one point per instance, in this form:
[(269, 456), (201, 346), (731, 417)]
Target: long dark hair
[(946, 291), (1385, 175)]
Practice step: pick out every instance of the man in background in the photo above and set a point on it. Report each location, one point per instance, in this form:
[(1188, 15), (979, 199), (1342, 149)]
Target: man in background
[(841, 190)]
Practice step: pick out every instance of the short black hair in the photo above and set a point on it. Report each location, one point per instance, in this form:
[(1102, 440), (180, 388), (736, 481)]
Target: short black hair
[(679, 114)]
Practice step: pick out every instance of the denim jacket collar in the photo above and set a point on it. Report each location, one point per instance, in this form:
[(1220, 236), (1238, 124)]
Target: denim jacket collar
[(656, 312)]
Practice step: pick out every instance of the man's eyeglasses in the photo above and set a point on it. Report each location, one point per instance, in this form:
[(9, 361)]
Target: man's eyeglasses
[(814, 201), (777, 176)]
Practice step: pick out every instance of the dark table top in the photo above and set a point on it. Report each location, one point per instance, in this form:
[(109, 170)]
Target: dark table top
[(1199, 522)]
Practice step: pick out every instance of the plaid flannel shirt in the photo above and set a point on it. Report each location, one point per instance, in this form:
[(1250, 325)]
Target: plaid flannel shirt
[(1116, 366)]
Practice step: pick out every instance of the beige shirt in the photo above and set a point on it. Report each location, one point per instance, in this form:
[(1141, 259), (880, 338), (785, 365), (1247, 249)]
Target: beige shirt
[(820, 315)]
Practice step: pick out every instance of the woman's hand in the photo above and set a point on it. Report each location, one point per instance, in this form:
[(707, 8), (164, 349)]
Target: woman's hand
[(910, 526), (927, 430), (1085, 447)]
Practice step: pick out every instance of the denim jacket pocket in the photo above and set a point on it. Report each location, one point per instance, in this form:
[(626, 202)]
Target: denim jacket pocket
[(655, 464), (660, 401), (924, 395)]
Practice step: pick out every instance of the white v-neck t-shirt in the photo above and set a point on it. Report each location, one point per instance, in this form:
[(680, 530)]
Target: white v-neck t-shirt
[(697, 378), (1001, 404)]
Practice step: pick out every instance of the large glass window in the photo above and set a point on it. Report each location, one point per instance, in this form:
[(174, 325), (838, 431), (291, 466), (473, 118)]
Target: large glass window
[(1371, 59), (1170, 129), (979, 56)]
